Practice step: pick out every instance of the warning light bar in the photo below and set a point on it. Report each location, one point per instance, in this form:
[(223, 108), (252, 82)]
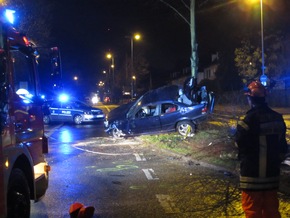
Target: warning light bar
[(9, 14)]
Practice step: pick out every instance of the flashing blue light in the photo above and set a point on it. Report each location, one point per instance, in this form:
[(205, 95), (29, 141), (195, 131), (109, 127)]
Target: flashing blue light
[(63, 98), (9, 14), (263, 80)]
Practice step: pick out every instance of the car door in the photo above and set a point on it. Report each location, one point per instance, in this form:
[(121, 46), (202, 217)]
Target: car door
[(145, 119), (66, 112), (54, 111), (169, 116)]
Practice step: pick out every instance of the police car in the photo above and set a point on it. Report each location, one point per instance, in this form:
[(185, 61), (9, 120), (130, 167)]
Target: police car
[(70, 111)]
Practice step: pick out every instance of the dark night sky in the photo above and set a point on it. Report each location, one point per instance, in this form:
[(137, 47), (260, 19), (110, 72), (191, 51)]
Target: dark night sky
[(86, 30)]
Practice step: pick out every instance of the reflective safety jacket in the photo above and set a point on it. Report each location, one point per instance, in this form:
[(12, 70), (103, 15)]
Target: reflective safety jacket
[(261, 142)]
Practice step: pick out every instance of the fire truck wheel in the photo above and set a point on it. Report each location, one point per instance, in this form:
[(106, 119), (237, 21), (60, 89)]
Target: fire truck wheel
[(46, 119), (78, 119), (18, 195)]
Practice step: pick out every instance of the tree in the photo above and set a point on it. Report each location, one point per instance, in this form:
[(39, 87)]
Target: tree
[(248, 59)]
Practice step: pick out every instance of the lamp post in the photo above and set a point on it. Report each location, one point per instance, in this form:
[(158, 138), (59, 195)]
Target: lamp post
[(111, 57), (262, 38), (132, 86), (136, 37), (263, 77)]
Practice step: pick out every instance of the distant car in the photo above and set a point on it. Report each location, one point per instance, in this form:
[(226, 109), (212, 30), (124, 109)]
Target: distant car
[(70, 111), (107, 100), (158, 111)]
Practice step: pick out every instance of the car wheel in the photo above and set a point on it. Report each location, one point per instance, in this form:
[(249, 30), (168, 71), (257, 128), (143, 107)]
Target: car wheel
[(46, 119), (18, 195), (186, 128), (78, 119)]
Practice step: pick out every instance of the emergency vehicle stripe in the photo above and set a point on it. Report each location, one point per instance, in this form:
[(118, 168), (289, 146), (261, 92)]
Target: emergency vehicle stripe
[(262, 156), (243, 125)]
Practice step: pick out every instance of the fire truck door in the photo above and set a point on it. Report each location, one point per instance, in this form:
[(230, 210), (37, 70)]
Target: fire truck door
[(27, 108)]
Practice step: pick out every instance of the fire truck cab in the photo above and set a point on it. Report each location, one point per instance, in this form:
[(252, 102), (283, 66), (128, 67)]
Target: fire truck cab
[(23, 169)]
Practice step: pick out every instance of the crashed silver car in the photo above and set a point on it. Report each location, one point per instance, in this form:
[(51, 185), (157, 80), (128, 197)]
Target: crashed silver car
[(160, 111)]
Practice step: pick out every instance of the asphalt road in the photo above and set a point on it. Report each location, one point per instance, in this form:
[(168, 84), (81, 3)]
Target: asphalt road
[(124, 178), (127, 179)]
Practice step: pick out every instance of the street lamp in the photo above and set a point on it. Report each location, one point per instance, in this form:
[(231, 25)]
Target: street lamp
[(133, 37), (111, 57), (262, 37), (263, 78), (132, 86)]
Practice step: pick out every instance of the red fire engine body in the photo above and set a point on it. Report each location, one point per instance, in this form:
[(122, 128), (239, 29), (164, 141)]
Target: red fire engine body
[(23, 169)]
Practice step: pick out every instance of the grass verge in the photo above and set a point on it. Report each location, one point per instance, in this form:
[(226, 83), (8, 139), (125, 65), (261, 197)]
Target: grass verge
[(211, 144)]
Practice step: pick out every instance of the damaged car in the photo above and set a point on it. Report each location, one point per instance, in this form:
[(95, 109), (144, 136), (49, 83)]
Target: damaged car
[(160, 111)]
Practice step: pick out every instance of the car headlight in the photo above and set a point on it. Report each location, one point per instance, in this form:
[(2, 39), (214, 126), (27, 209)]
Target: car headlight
[(88, 113)]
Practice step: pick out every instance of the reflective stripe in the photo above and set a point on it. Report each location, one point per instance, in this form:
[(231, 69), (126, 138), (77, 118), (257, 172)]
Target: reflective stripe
[(258, 179), (262, 156), (243, 125), (259, 186), (259, 183)]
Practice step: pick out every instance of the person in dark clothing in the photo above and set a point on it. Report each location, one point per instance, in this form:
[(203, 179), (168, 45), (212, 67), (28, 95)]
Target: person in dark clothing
[(261, 141)]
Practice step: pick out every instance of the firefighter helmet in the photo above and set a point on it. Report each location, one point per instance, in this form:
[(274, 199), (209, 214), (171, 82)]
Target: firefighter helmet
[(256, 89)]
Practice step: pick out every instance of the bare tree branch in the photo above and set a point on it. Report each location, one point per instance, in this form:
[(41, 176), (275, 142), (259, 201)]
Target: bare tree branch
[(186, 6), (174, 9)]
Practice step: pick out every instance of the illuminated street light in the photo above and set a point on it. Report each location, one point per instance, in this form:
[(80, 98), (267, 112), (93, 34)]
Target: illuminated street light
[(263, 77), (101, 84), (136, 37), (76, 78), (111, 57), (133, 82)]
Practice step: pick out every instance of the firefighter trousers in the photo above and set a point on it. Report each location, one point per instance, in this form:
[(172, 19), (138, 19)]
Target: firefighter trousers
[(260, 204)]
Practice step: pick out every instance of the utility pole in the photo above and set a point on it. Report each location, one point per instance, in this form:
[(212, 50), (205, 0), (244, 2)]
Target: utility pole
[(191, 23), (193, 58)]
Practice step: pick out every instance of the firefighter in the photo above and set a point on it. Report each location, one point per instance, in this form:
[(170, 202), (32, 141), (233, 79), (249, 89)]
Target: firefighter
[(262, 145)]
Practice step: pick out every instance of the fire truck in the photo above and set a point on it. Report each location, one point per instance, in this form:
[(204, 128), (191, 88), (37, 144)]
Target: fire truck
[(23, 169)]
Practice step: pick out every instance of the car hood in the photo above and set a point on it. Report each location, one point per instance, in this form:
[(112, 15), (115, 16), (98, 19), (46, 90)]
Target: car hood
[(120, 112)]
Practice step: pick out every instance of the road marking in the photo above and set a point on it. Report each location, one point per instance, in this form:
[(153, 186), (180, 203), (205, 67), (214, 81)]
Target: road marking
[(139, 158), (150, 174), (107, 108), (167, 203), (117, 168), (96, 152), (93, 143)]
